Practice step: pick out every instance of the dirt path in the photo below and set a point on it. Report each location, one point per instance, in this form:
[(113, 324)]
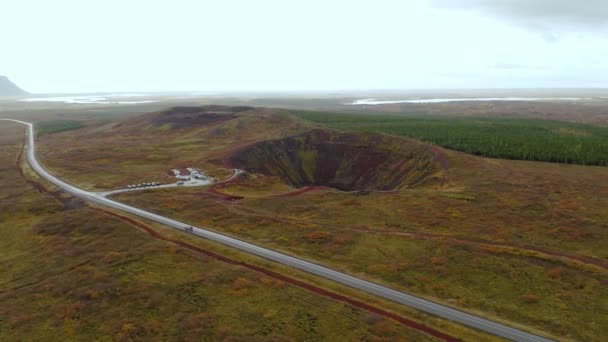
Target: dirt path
[(302, 191), (213, 191), (434, 236)]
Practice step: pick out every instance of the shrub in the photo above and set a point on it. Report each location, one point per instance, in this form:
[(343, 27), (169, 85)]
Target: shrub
[(317, 236), (529, 298)]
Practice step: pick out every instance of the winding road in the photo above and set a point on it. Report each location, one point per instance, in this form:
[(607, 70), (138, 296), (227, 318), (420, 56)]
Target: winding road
[(424, 305)]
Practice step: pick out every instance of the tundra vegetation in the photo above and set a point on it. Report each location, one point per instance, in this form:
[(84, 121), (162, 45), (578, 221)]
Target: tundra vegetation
[(72, 272), (520, 241)]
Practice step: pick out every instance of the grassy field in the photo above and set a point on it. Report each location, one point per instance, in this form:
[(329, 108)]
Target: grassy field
[(515, 240), (374, 237), (134, 153), (73, 273), (515, 138)]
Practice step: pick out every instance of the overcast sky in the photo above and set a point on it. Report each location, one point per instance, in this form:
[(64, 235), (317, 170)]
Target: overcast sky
[(260, 45)]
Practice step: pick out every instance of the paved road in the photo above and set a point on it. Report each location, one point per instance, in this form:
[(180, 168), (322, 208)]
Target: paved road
[(186, 184), (369, 287)]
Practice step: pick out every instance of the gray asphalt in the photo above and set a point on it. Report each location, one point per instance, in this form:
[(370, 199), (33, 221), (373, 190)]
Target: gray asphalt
[(339, 277), (235, 173)]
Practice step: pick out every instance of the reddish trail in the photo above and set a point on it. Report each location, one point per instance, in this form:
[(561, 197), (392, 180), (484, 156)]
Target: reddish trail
[(213, 190), (323, 292), (303, 191), (580, 258), (433, 236), (481, 242)]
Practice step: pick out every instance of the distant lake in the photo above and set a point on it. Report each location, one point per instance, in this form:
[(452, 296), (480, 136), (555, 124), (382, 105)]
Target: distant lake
[(478, 99), (92, 99)]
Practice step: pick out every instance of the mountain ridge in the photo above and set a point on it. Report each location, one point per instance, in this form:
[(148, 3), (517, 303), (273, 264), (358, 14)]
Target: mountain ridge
[(8, 88)]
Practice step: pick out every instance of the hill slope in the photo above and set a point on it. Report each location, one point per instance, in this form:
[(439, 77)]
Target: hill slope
[(183, 117), (8, 88)]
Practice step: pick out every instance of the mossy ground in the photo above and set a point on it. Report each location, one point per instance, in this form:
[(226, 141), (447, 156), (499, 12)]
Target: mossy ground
[(78, 274), (437, 242)]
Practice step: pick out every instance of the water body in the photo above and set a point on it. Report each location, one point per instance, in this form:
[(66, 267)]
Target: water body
[(91, 99), (374, 102)]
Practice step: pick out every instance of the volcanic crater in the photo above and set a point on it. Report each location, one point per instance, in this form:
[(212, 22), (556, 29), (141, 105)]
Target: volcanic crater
[(345, 161)]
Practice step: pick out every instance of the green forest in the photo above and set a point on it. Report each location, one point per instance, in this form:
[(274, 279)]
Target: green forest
[(508, 138), (56, 126)]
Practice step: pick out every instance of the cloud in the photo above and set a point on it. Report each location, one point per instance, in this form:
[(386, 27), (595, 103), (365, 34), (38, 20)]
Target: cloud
[(513, 66), (548, 17)]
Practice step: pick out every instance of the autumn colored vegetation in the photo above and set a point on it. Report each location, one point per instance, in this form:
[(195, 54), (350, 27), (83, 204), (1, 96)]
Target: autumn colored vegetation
[(508, 138), (74, 273), (384, 238), (145, 148), (514, 240)]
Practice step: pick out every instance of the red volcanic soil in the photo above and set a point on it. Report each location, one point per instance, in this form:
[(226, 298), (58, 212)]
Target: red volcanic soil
[(302, 191), (320, 291), (214, 190)]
